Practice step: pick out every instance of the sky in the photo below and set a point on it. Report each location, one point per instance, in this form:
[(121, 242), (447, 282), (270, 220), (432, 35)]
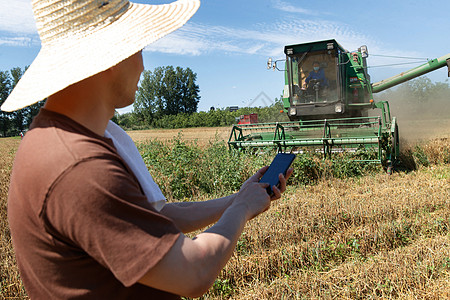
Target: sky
[(227, 43)]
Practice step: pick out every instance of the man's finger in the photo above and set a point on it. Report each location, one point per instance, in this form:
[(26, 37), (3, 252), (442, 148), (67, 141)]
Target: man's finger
[(259, 174), (289, 173), (276, 193), (282, 186), (283, 180)]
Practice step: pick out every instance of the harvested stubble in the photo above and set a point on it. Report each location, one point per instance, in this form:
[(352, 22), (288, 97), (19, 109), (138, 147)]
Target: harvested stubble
[(371, 238), (11, 285)]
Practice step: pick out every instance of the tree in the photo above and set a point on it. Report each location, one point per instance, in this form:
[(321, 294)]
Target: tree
[(188, 90), (12, 123), (5, 89), (18, 115), (146, 100), (166, 91), (127, 121)]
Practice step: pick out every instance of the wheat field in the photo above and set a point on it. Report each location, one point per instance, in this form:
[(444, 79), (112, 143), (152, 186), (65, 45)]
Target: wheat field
[(374, 237), (201, 136)]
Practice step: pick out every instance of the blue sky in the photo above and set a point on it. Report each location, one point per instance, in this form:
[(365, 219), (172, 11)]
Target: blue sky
[(227, 43)]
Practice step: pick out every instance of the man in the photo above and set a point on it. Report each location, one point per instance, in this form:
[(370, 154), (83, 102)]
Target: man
[(316, 74), (84, 223)]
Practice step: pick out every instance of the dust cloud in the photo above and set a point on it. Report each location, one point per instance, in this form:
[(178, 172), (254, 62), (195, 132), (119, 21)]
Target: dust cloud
[(420, 120)]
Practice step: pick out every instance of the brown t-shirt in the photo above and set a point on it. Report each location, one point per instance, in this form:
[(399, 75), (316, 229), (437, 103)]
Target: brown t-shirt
[(80, 223)]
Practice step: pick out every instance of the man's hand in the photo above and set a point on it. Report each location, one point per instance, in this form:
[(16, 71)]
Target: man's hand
[(256, 201), (277, 191)]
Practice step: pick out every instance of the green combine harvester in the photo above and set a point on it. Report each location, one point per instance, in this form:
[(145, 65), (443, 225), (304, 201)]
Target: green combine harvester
[(328, 96)]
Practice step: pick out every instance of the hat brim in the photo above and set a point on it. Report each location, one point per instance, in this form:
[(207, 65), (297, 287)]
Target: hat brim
[(62, 64)]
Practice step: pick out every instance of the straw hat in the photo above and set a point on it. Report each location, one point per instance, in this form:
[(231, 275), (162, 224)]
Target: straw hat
[(81, 38)]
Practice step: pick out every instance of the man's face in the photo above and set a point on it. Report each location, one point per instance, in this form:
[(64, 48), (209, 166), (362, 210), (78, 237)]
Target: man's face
[(126, 79), (316, 67)]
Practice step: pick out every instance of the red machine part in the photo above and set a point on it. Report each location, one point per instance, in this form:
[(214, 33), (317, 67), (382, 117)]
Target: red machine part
[(248, 119)]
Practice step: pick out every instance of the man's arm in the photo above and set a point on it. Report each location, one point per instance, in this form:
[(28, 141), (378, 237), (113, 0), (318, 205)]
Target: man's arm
[(190, 216), (191, 265), (307, 79)]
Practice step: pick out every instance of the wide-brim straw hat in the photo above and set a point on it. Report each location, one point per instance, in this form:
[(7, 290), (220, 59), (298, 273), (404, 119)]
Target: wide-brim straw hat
[(81, 38)]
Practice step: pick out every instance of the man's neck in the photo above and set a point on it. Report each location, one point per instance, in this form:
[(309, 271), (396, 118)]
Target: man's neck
[(85, 102)]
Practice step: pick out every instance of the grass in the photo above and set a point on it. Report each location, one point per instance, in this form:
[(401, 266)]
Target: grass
[(365, 236)]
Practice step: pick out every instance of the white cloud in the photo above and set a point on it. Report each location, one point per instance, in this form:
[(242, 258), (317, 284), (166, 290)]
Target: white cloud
[(264, 39), (177, 44), (18, 41), (16, 16), (197, 39), (283, 6)]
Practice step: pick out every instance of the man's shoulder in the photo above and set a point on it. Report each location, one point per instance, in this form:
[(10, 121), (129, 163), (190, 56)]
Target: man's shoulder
[(54, 144), (61, 136)]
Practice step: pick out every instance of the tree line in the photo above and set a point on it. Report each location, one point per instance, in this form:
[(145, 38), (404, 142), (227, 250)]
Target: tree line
[(168, 97), (165, 91)]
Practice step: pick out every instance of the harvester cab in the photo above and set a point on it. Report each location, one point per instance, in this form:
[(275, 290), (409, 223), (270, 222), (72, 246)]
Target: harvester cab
[(323, 79), (327, 96)]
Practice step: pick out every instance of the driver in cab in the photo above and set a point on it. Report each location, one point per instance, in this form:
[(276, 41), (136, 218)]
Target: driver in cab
[(317, 74)]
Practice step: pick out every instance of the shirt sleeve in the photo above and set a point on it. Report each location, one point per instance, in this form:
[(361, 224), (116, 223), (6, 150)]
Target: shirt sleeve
[(308, 78), (98, 207)]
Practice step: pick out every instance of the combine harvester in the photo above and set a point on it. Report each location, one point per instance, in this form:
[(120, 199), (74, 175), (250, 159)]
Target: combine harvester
[(329, 111)]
